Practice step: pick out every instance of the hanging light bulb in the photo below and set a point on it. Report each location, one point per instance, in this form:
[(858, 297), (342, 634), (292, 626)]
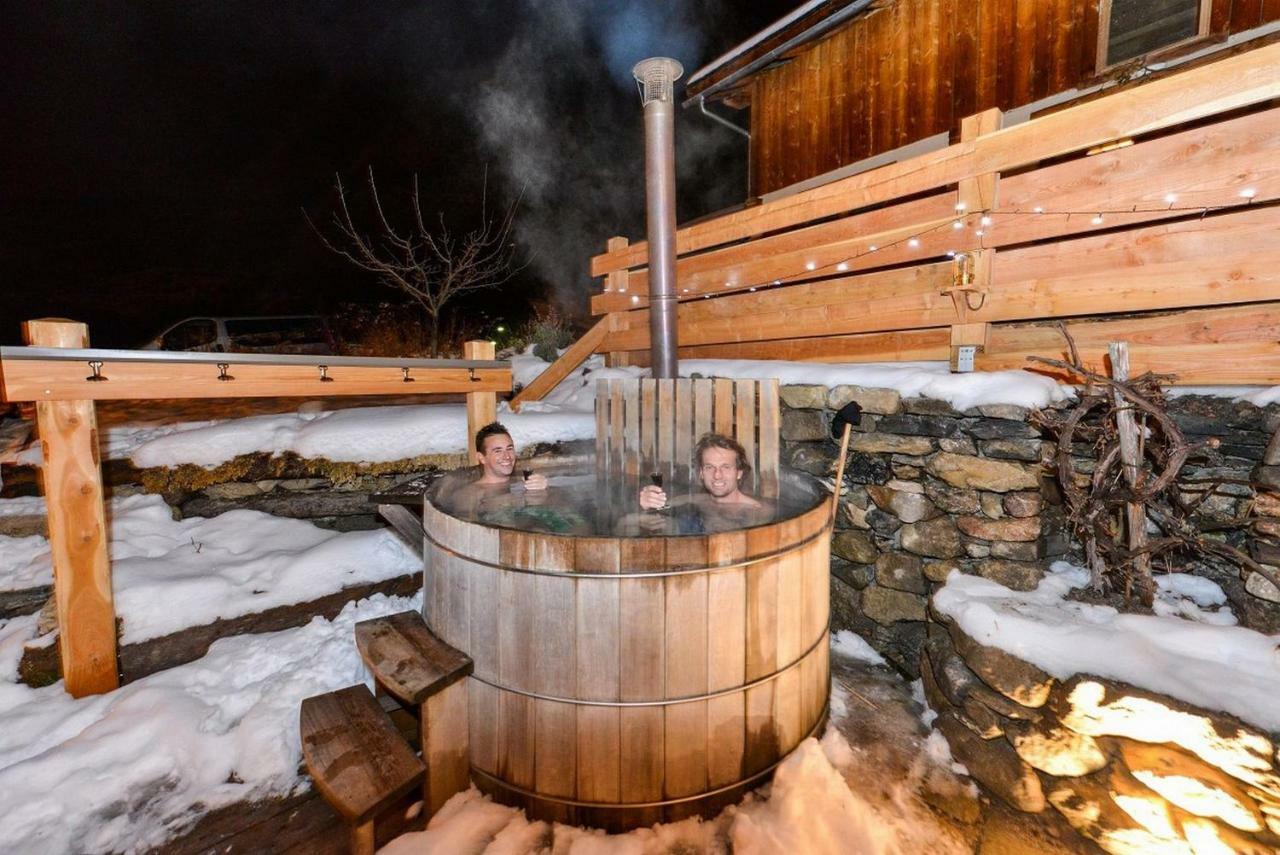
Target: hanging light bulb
[(1097, 219), (1038, 210), (872, 248), (810, 266), (986, 221), (957, 225), (960, 206), (1170, 198), (1248, 193), (913, 243), (842, 267)]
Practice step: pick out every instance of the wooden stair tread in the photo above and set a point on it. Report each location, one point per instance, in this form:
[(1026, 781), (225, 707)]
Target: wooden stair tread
[(357, 758), (407, 659)]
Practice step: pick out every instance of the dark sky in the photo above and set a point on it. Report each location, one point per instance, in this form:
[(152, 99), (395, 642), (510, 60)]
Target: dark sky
[(156, 156)]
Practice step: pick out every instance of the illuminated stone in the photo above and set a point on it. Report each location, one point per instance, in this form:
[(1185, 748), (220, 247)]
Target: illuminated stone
[(995, 765), (1191, 784), (1056, 750), (1017, 680), (1100, 708), (1089, 805), (961, 470)]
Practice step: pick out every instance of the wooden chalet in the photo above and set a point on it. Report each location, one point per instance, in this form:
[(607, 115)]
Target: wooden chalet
[(1128, 191), (838, 82)]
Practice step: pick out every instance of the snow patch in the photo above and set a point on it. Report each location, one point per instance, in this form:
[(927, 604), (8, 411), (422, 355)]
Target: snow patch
[(123, 771), (1226, 668), (25, 562), (360, 435), (854, 646)]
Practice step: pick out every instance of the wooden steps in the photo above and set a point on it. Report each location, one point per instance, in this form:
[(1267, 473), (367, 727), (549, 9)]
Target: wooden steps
[(427, 677), (359, 761)]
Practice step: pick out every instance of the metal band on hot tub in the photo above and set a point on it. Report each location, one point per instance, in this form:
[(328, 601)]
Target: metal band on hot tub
[(657, 574), (741, 783), (666, 702)]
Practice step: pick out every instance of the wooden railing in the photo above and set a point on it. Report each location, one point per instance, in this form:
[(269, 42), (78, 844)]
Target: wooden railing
[(63, 377), (1156, 202)]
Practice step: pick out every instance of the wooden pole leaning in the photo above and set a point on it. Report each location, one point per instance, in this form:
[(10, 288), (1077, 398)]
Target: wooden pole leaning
[(482, 407), (72, 482)]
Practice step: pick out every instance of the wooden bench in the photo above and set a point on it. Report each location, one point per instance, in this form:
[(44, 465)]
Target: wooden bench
[(427, 677), (359, 761)]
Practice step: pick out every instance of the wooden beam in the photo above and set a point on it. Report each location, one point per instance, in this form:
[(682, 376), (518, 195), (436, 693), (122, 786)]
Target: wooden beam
[(1131, 457), (72, 479), (482, 407), (1229, 345), (577, 353), (1160, 179), (1235, 82), (68, 380), (978, 193), (1225, 259)]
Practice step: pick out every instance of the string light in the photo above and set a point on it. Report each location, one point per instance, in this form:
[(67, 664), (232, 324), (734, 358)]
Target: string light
[(635, 299), (960, 206), (1097, 218)]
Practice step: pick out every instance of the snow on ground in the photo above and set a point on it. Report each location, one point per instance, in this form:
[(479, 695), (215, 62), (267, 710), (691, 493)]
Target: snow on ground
[(1213, 666), (910, 379), (363, 435), (24, 562), (815, 805), (855, 646), (121, 772), (23, 506), (124, 771), (169, 575)]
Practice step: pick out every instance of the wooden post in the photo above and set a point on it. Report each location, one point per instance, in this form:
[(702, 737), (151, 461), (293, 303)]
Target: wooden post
[(482, 407), (72, 480), (618, 281), (1131, 458), (978, 194)]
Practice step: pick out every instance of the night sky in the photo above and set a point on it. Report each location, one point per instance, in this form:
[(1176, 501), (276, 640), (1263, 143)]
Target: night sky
[(157, 157)]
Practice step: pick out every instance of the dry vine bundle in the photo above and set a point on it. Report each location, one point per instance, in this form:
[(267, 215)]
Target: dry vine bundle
[(1099, 502)]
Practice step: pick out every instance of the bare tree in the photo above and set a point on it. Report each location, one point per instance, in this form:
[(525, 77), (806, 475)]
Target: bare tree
[(431, 265)]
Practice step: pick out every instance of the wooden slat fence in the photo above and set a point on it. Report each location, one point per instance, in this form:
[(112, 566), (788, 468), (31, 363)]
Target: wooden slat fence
[(1175, 218), (653, 426)]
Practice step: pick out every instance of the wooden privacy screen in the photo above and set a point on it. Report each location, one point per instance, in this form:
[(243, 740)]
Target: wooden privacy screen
[(645, 426)]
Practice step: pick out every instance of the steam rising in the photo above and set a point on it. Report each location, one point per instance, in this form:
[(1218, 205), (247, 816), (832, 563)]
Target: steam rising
[(561, 115)]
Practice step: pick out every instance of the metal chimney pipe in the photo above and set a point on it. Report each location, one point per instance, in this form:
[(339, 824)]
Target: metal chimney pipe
[(656, 77)]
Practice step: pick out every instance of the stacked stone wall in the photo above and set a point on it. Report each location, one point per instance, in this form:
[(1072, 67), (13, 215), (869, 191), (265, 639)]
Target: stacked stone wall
[(1133, 770), (930, 489)]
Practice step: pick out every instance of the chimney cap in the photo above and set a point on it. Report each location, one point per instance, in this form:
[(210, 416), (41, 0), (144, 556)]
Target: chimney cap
[(656, 77)]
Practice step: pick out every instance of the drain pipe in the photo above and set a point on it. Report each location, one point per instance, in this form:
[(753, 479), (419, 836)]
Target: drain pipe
[(656, 78), (702, 105)]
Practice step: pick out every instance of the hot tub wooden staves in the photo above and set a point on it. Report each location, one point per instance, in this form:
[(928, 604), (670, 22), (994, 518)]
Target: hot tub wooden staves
[(624, 681)]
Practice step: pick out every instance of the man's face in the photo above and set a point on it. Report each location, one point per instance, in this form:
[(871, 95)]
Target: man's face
[(499, 456), (719, 471)]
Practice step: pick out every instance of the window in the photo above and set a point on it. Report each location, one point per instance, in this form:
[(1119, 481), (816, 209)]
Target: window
[(191, 334), (1134, 28)]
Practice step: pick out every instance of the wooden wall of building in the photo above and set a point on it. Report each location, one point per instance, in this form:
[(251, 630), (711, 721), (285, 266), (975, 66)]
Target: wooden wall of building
[(915, 68)]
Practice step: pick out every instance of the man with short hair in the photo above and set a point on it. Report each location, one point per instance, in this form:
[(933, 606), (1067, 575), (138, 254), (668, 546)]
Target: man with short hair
[(496, 454), (721, 466), (495, 451)]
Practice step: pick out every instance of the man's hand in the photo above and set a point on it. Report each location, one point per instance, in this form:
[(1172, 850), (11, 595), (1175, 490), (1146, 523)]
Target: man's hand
[(652, 498), (535, 483)]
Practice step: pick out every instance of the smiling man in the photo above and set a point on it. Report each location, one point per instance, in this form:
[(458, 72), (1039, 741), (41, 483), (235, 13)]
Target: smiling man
[(722, 466), (496, 454)]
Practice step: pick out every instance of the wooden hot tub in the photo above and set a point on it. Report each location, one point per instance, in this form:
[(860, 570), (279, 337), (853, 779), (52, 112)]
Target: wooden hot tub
[(621, 681)]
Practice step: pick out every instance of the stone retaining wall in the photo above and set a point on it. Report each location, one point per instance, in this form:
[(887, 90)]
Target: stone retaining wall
[(1133, 770), (931, 489)]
